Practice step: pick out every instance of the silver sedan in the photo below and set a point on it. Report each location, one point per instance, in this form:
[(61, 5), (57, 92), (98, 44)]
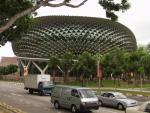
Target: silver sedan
[(116, 99)]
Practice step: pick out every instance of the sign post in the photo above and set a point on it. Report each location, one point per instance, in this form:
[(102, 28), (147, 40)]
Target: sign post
[(99, 75)]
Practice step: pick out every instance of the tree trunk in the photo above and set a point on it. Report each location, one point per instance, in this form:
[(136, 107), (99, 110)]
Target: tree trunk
[(87, 82), (66, 76), (119, 81), (82, 80), (54, 73)]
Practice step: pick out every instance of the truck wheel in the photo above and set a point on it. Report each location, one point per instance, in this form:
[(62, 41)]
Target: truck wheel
[(74, 109), (120, 106), (56, 105), (30, 91)]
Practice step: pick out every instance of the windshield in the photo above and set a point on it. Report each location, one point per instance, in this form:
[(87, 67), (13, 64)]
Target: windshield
[(120, 96), (87, 93)]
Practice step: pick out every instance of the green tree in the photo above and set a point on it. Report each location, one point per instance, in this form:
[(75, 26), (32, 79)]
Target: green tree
[(137, 66), (87, 64), (67, 64), (146, 62), (15, 20), (112, 64), (148, 47), (8, 69)]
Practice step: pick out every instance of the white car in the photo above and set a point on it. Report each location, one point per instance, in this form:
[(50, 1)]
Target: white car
[(144, 108), (116, 99)]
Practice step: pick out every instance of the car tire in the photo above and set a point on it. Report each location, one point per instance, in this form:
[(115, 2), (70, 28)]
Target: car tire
[(100, 103), (74, 109), (120, 106), (56, 105)]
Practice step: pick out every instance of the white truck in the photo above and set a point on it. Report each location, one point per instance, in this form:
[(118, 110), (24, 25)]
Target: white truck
[(38, 83)]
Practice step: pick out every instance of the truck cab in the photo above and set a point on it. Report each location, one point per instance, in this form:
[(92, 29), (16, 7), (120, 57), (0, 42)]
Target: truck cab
[(45, 87)]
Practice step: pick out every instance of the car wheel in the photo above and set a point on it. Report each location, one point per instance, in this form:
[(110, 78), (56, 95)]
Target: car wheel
[(100, 103), (73, 109), (120, 106), (56, 105)]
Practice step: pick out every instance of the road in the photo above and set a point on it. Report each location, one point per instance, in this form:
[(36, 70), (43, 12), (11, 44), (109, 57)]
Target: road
[(14, 94)]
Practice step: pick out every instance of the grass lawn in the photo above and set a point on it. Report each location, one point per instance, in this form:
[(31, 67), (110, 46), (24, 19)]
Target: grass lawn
[(109, 84)]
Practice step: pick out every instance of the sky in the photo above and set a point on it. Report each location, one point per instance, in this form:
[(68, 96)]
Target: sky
[(137, 18)]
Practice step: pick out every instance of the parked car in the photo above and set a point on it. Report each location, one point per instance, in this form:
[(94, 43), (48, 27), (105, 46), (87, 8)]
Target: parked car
[(74, 98), (144, 108), (116, 99)]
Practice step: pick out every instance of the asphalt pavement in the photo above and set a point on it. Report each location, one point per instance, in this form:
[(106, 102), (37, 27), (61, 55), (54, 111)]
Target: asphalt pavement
[(14, 95)]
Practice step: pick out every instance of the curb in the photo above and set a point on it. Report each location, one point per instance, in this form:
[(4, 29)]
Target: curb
[(10, 109)]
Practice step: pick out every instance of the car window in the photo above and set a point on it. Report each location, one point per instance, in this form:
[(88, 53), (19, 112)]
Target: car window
[(105, 95), (87, 93), (111, 95), (74, 93), (66, 91)]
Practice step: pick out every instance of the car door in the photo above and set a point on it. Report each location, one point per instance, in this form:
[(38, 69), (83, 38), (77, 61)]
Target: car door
[(105, 99), (75, 98), (112, 100), (65, 97)]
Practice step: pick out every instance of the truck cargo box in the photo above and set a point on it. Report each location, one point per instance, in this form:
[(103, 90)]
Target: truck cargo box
[(32, 81)]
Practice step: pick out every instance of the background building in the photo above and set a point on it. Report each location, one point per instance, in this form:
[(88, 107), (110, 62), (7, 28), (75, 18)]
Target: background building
[(54, 35), (5, 61)]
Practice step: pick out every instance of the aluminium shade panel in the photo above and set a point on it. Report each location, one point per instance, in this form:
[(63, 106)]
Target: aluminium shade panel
[(54, 35)]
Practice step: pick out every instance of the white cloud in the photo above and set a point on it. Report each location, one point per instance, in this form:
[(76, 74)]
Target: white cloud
[(137, 18)]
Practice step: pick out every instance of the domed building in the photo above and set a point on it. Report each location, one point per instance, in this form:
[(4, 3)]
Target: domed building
[(54, 35)]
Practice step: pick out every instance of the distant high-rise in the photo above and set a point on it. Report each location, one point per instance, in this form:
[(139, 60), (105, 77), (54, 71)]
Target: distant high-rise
[(54, 35)]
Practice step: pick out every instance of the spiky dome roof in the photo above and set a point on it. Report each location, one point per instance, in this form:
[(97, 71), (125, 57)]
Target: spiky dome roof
[(54, 35)]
